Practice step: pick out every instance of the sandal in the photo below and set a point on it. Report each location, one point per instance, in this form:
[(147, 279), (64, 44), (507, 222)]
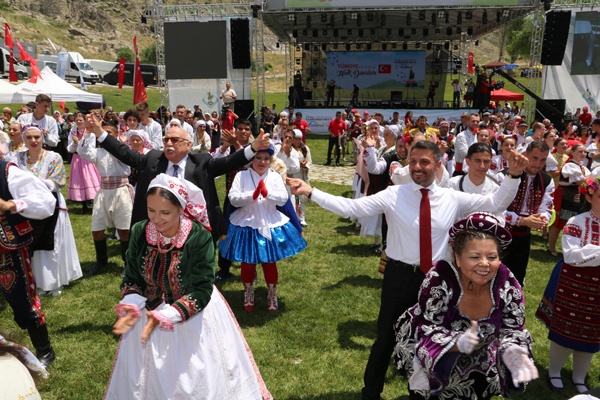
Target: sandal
[(552, 386)]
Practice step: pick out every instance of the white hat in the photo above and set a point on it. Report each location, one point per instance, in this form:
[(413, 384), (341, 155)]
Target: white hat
[(200, 122), (189, 195), (175, 121), (210, 123), (142, 134), (372, 122), (393, 129), (298, 133)]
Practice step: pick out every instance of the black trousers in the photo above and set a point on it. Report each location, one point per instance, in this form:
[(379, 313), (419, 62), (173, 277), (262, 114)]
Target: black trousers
[(333, 144), (20, 290), (516, 256), (401, 283)]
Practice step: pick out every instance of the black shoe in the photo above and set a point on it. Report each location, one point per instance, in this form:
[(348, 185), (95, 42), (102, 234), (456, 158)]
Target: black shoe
[(97, 268), (222, 275), (551, 385), (327, 163), (47, 358)]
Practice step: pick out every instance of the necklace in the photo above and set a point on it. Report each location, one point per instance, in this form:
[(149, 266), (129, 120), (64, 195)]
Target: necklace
[(158, 242), (30, 159)]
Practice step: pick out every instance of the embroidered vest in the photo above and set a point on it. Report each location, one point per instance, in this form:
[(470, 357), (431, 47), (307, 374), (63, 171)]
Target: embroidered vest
[(15, 230), (540, 183)]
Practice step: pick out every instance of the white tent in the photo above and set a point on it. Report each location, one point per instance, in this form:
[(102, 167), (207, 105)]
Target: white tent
[(9, 94), (56, 88)]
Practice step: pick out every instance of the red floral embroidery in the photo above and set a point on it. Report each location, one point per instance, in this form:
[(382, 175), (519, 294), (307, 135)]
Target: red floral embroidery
[(572, 230)]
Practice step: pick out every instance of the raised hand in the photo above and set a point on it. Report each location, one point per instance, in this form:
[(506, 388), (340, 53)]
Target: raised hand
[(262, 141), (467, 341), (516, 163), (299, 187)]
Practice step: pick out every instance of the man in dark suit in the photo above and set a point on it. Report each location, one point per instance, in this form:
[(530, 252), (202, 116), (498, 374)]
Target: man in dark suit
[(176, 160)]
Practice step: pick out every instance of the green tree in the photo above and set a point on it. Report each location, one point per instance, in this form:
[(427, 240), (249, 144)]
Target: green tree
[(148, 55), (126, 53), (519, 34)]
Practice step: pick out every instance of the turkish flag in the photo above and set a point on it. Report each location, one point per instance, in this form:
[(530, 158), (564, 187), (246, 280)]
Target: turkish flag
[(471, 64), (385, 68), (62, 104), (8, 42), (121, 72), (35, 72), (139, 90)]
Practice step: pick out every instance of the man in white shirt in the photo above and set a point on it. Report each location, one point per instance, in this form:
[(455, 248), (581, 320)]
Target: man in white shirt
[(46, 122), (228, 96), (463, 140), (152, 128), (180, 113), (401, 206)]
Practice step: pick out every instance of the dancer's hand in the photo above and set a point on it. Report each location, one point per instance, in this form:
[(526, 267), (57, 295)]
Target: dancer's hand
[(126, 321), (520, 366), (150, 325), (467, 341)]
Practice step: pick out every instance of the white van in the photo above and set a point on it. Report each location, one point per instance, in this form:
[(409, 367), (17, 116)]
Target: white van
[(102, 67), (76, 63), (20, 69)]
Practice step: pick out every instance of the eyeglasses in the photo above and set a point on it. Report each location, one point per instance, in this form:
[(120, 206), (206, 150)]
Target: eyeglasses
[(173, 140)]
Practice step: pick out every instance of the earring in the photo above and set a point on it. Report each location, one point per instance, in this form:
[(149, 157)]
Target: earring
[(470, 285)]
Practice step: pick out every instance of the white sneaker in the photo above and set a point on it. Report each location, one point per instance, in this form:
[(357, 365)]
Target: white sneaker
[(303, 223)]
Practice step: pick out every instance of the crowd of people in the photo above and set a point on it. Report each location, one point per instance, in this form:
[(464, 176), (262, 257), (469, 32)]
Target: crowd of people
[(452, 304)]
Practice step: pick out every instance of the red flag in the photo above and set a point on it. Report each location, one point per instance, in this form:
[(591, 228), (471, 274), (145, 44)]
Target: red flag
[(35, 72), (61, 104), (139, 90), (471, 65), (121, 72), (8, 42)]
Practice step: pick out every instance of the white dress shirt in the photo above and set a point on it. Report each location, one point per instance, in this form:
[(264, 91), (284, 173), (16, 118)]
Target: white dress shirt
[(180, 171), (107, 164), (155, 133), (461, 145), (47, 122), (400, 204)]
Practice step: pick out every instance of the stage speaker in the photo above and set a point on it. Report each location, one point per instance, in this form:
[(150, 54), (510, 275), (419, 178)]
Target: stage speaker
[(556, 117), (240, 43), (296, 96), (245, 109), (374, 104), (386, 104), (308, 94), (396, 96), (556, 32)]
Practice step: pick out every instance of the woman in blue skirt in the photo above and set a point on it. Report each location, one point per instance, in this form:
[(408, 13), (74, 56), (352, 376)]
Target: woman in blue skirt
[(258, 231)]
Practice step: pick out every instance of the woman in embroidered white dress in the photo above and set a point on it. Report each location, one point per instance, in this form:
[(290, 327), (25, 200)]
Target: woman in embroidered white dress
[(55, 268), (84, 180), (507, 144), (180, 339)]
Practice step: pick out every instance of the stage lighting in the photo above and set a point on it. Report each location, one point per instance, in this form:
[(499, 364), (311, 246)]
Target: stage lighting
[(383, 46), (470, 31), (324, 48), (335, 47), (408, 20), (400, 32), (277, 44), (459, 18), (372, 32), (316, 60), (449, 31), (417, 45), (455, 47), (547, 5), (349, 32), (433, 18), (336, 33), (316, 48), (314, 84), (505, 13), (421, 15), (447, 45), (370, 17), (347, 46), (484, 17), (413, 31), (298, 61), (344, 19), (441, 14), (332, 21), (298, 48), (292, 17), (469, 15), (294, 34), (394, 45), (361, 33), (325, 32), (477, 43), (354, 15), (425, 31), (458, 30), (388, 32), (382, 20), (429, 45), (358, 20), (255, 9), (323, 18), (447, 17), (315, 33), (369, 46), (404, 46), (308, 21)]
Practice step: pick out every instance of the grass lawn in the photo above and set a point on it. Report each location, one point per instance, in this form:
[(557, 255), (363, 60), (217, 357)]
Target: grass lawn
[(316, 345)]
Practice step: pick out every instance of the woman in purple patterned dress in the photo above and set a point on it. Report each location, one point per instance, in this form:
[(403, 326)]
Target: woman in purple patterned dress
[(466, 337)]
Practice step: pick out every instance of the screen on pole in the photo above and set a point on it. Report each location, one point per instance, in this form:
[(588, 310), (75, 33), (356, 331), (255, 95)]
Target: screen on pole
[(586, 44), (186, 59)]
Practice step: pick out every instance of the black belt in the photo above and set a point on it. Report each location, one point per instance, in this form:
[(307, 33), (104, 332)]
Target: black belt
[(395, 263)]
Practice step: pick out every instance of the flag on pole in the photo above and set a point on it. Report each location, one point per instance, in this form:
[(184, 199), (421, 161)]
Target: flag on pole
[(471, 64), (139, 90), (121, 72), (8, 42), (81, 80), (35, 72)]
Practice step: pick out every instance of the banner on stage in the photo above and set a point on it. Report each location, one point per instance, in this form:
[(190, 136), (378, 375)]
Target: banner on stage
[(381, 70), (319, 118), (393, 3)]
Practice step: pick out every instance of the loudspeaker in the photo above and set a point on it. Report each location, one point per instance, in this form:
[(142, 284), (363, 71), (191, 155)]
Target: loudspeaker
[(240, 43), (296, 96), (556, 32), (244, 109), (543, 111)]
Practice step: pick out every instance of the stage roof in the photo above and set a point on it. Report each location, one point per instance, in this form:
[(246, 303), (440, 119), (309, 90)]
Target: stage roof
[(349, 21)]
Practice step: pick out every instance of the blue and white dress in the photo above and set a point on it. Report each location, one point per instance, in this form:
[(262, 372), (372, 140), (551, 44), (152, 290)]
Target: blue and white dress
[(258, 232)]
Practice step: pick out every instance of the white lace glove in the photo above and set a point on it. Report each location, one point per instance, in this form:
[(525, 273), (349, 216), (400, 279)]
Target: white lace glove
[(467, 341), (418, 380), (520, 366)]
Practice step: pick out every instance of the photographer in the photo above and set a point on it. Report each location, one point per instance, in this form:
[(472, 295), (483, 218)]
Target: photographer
[(227, 118)]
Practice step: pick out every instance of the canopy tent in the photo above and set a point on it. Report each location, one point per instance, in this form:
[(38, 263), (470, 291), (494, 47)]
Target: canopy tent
[(507, 95), (9, 94), (56, 88)]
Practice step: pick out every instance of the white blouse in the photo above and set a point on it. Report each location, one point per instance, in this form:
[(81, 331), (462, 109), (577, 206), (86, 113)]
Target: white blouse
[(580, 242), (107, 165)]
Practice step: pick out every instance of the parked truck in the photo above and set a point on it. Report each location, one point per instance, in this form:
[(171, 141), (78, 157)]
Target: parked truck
[(20, 69), (75, 64)]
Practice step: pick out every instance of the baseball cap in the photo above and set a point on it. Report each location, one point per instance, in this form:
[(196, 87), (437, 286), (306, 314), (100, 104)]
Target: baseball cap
[(444, 123), (366, 112), (585, 108)]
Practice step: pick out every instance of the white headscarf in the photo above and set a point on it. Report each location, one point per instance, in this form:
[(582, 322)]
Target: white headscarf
[(189, 195)]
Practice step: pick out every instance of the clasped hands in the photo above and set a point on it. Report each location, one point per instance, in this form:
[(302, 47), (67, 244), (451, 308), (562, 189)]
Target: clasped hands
[(515, 357), (261, 189)]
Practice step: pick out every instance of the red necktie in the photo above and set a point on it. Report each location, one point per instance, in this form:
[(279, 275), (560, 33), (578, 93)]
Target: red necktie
[(425, 232)]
